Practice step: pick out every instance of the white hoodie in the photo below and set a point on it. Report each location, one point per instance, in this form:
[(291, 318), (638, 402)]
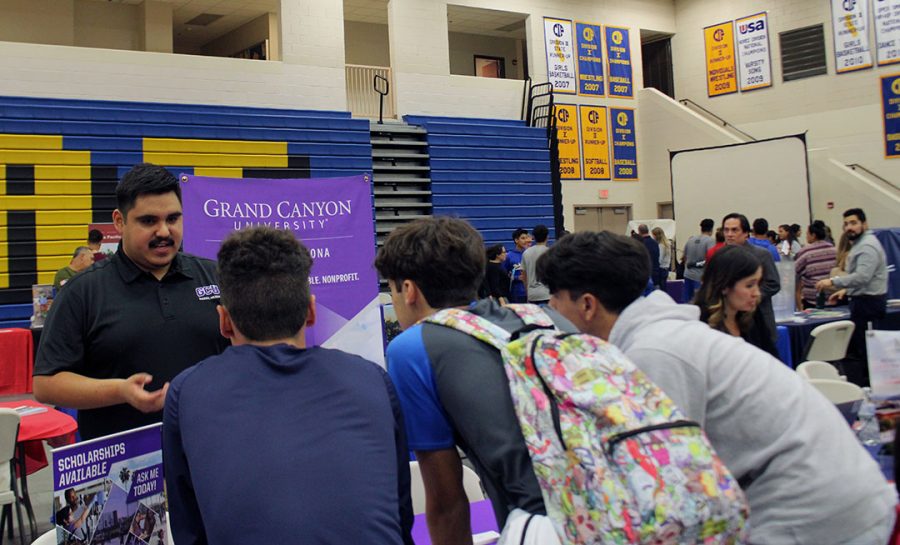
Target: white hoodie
[(810, 481)]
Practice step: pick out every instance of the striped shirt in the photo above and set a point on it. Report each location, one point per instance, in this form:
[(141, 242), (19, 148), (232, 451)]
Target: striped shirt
[(813, 263)]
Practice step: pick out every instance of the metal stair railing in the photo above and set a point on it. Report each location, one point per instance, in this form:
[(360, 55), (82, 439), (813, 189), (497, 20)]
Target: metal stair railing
[(721, 121)]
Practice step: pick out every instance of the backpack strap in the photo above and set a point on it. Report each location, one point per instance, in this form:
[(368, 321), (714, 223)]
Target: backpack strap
[(533, 317), (472, 325)]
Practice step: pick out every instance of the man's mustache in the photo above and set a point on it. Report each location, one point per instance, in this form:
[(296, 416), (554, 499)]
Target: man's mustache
[(156, 242)]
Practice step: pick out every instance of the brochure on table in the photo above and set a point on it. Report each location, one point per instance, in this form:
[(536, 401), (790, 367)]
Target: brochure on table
[(111, 490)]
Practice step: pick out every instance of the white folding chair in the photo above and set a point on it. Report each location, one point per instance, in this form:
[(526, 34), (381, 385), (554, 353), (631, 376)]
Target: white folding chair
[(838, 391), (828, 342), (471, 485), (819, 369), (9, 495), (48, 538)]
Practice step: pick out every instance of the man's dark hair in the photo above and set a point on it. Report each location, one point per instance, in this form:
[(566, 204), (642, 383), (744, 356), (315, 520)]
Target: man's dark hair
[(760, 226), (493, 251), (519, 232), (613, 268), (95, 236), (444, 256), (858, 212), (264, 280), (144, 179), (745, 223), (817, 229), (540, 233), (643, 229), (706, 226)]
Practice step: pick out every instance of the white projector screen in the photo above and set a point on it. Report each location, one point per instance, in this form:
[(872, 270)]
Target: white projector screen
[(764, 179)]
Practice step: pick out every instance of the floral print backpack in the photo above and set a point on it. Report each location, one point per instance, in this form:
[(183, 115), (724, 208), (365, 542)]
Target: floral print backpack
[(617, 461)]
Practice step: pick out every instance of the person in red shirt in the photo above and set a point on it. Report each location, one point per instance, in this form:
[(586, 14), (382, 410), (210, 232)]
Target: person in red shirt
[(720, 241)]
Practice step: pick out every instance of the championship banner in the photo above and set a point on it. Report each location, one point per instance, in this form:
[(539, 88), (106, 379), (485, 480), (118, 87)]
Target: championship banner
[(850, 20), (890, 108), (110, 490), (721, 78), (594, 142), (618, 62), (624, 144), (567, 134), (754, 59), (887, 31), (590, 60), (560, 55), (330, 216)]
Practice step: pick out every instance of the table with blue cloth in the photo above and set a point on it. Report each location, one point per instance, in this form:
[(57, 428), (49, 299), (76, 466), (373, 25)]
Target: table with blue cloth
[(799, 332)]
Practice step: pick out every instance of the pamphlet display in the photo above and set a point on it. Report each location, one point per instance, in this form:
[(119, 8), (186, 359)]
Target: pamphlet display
[(884, 362)]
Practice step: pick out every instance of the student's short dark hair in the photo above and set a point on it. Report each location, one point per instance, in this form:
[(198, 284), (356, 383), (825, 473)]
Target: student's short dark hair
[(760, 226), (817, 228), (493, 251), (745, 223), (144, 179), (95, 236), (613, 268), (264, 282), (540, 233), (707, 225), (519, 232), (858, 212), (444, 256)]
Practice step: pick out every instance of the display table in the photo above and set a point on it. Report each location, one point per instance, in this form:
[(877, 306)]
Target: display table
[(51, 425), (480, 512), (16, 361)]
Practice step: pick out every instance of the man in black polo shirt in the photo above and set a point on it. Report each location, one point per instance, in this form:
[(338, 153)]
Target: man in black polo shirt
[(121, 330)]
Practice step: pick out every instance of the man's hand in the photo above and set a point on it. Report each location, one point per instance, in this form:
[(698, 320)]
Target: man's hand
[(837, 296), (825, 284), (133, 392)]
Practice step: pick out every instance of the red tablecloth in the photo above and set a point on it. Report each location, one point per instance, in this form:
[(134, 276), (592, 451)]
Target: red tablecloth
[(51, 424), (16, 361)]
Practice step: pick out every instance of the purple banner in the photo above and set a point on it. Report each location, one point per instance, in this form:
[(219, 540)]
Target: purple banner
[(331, 216), (91, 460), (146, 482)]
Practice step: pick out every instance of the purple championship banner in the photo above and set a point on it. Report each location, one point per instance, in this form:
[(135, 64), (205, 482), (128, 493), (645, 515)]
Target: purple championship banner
[(110, 490), (330, 216)]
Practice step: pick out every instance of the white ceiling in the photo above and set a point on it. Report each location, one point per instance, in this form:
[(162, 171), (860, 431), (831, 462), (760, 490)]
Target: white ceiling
[(234, 14), (459, 18)]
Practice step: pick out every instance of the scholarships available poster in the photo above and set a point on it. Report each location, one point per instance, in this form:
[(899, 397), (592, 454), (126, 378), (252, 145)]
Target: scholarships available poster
[(890, 107), (618, 62), (560, 48), (567, 134), (850, 20), (331, 216), (594, 142), (887, 31), (624, 144), (721, 77), (754, 59), (590, 59), (110, 490)]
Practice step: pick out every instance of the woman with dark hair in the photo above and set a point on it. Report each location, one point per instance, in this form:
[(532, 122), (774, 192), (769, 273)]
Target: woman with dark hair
[(496, 279), (729, 295), (788, 247)]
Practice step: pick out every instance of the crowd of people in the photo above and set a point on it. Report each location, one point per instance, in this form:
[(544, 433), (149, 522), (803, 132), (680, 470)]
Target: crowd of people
[(266, 437)]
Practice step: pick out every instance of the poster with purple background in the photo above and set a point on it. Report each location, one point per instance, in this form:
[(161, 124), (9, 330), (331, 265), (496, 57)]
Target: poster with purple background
[(110, 490), (330, 216)]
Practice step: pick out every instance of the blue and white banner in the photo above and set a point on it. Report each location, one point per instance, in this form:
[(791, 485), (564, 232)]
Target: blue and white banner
[(590, 59), (624, 141), (560, 49), (754, 61), (890, 108), (887, 31), (850, 21), (618, 62)]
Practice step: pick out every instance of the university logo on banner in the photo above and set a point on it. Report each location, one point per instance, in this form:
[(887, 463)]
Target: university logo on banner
[(567, 135), (850, 21), (890, 107), (887, 31), (624, 144), (721, 77), (332, 217), (754, 60), (618, 62), (560, 49), (594, 142), (590, 60)]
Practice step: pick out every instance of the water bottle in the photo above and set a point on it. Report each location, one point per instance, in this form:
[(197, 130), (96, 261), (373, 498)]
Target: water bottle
[(868, 431), (820, 299)]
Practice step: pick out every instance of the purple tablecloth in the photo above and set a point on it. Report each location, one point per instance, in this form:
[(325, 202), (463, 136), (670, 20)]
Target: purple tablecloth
[(481, 513)]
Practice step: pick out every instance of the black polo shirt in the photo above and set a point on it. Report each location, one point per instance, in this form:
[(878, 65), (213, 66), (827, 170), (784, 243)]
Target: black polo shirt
[(114, 320)]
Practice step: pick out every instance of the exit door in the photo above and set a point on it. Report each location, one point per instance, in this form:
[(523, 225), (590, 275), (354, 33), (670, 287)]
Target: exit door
[(602, 218)]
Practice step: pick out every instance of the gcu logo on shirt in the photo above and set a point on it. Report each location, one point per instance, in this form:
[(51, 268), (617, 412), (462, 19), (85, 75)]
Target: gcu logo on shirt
[(205, 293)]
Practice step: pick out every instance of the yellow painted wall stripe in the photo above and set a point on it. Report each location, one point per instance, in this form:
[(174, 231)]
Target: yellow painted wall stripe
[(44, 157), (32, 202), (62, 187), (31, 141), (216, 160), (187, 145), (62, 232), (63, 172), (2, 179), (53, 247), (52, 263), (65, 217), (220, 172)]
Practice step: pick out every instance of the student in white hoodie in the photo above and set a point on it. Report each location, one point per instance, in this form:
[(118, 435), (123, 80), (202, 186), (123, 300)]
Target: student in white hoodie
[(807, 478)]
